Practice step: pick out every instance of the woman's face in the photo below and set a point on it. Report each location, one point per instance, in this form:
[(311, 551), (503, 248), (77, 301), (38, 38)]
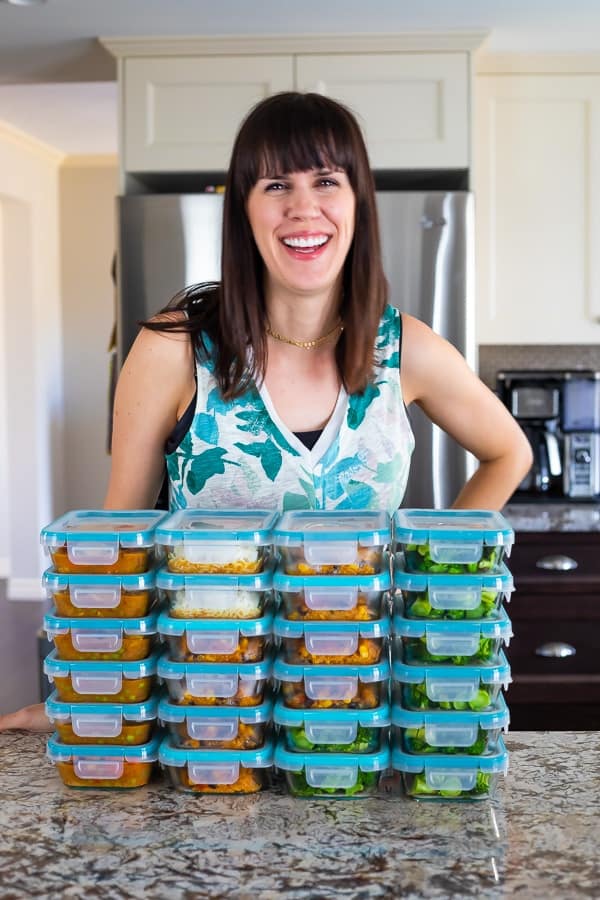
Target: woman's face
[(303, 225)]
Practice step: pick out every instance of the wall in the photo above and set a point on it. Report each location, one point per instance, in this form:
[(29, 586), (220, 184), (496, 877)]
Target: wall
[(31, 402), (88, 187)]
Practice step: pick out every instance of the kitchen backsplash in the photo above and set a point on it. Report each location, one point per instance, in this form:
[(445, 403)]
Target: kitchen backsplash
[(494, 357)]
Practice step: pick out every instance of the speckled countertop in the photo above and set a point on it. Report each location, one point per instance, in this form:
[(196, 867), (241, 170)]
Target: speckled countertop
[(553, 516), (539, 838)]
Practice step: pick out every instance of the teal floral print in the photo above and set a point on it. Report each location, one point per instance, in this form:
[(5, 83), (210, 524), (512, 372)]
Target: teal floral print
[(239, 455)]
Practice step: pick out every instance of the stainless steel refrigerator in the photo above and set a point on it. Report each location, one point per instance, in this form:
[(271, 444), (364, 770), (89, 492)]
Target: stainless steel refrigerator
[(168, 241)]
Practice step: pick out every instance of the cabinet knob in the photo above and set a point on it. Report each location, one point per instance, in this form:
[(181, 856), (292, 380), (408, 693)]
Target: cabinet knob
[(557, 649), (557, 563)]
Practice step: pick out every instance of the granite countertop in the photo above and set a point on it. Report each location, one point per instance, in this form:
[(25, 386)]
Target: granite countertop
[(553, 516), (538, 838)]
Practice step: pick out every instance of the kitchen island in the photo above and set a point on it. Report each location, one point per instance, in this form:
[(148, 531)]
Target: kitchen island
[(538, 838)]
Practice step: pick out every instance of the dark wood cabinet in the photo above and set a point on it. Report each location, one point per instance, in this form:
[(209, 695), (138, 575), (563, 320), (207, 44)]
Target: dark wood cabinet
[(555, 611)]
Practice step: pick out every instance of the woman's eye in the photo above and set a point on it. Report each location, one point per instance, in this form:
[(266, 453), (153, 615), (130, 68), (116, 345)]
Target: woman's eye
[(275, 186), (327, 182)]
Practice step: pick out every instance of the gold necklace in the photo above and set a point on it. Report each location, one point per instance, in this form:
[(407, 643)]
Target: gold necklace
[(305, 345)]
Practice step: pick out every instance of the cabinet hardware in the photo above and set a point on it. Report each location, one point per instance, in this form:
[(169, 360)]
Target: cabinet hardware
[(556, 649), (557, 563)]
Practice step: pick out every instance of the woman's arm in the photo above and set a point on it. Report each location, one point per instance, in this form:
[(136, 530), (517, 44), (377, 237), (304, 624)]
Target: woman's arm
[(155, 387), (29, 718), (436, 377)]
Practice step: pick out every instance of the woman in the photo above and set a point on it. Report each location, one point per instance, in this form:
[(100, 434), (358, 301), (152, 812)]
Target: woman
[(292, 389)]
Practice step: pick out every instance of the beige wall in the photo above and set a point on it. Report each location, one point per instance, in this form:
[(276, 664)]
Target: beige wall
[(87, 191), (31, 402)]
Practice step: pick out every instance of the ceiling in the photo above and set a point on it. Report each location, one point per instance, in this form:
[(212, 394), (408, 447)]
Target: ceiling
[(57, 81)]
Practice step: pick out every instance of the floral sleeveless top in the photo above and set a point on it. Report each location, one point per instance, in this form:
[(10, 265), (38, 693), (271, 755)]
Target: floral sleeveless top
[(239, 454)]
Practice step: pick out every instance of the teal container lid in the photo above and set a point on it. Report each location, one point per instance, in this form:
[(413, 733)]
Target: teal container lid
[(249, 526), (168, 668), (418, 762), (55, 581), (249, 715), (379, 717), (293, 761), (497, 717), (381, 581), (262, 758), (54, 624), (128, 528), (284, 671), (294, 628), (423, 581), (175, 581), (367, 528), (495, 672), (419, 526), (500, 627), (169, 626), (59, 752), (139, 712), (62, 668)]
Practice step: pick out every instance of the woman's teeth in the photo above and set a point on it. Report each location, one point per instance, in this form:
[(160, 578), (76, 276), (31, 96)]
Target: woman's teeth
[(305, 243)]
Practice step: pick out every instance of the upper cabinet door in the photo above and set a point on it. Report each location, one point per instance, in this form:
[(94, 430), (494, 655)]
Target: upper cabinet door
[(414, 107), (537, 186), (182, 113)]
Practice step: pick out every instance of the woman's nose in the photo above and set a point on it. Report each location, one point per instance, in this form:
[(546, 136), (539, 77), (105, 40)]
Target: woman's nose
[(303, 204)]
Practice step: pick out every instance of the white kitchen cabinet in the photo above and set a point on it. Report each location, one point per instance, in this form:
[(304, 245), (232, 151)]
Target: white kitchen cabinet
[(414, 107), (537, 186), (180, 114)]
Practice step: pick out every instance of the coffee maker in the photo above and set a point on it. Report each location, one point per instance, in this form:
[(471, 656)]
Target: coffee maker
[(559, 411)]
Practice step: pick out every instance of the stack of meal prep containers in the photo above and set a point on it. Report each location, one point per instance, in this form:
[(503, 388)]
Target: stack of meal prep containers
[(217, 625), (332, 667), (448, 665), (103, 624)]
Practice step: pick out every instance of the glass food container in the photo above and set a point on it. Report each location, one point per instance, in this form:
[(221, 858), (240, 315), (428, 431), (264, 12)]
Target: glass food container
[(458, 642), (332, 642), (105, 766), (345, 597), (224, 542), (332, 542), (215, 596), (126, 724), (332, 775), (102, 542), (215, 684), (217, 771), (102, 596), (437, 776), (216, 727), (332, 686), (101, 639), (101, 682), (451, 732), (439, 686), (426, 596), (452, 541), (332, 730), (216, 640)]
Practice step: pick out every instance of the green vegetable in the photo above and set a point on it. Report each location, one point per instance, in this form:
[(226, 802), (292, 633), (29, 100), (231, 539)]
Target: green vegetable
[(418, 559), (417, 606), (452, 789), (365, 781), (416, 651), (415, 742), (414, 696), (367, 740)]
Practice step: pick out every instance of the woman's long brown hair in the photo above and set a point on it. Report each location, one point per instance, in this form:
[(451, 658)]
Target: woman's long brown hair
[(287, 132)]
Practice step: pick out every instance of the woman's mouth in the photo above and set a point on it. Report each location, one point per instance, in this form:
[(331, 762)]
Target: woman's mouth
[(306, 245)]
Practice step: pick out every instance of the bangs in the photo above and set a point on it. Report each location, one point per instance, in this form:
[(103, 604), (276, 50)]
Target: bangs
[(298, 133)]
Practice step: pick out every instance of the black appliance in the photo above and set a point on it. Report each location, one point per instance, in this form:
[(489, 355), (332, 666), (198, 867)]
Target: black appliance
[(559, 411)]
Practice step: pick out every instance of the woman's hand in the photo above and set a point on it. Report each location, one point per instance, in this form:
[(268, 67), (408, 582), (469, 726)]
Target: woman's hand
[(29, 718)]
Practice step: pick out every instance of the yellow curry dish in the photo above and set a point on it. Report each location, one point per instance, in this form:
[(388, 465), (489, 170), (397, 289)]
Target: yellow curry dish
[(102, 542), (124, 724), (97, 681), (325, 643), (101, 596), (332, 686), (101, 639), (103, 766), (345, 598)]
